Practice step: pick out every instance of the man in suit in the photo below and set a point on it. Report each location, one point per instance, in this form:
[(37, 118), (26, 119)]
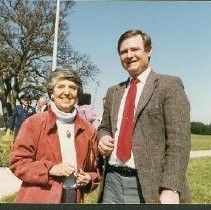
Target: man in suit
[(158, 132), (20, 114)]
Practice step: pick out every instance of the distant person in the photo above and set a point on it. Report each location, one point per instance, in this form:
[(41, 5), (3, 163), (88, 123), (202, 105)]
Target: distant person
[(85, 109), (20, 114), (7, 112), (55, 152), (42, 104), (145, 131)]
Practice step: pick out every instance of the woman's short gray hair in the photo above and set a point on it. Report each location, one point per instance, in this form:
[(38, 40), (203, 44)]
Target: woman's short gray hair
[(59, 74)]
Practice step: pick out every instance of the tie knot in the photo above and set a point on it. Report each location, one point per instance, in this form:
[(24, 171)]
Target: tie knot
[(134, 81)]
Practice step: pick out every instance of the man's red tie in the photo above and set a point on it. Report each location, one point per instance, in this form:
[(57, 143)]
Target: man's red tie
[(125, 134)]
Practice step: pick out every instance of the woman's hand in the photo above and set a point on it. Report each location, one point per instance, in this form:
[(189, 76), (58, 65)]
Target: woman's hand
[(83, 178), (62, 169)]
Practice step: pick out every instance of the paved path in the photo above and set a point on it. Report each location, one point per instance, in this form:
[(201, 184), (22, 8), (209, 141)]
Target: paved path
[(10, 184), (200, 153)]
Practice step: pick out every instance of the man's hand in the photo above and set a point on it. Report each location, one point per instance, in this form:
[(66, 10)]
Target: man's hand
[(169, 197), (106, 145)]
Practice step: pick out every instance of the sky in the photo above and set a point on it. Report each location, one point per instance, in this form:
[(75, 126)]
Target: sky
[(180, 33)]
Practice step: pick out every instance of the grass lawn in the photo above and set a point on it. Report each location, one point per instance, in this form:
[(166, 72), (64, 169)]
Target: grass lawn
[(5, 145), (199, 178), (8, 199), (92, 197), (2, 133), (200, 142)]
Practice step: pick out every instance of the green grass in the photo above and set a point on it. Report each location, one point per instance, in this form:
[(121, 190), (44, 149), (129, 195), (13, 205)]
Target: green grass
[(199, 178), (91, 197), (8, 199), (200, 142), (2, 133), (5, 140)]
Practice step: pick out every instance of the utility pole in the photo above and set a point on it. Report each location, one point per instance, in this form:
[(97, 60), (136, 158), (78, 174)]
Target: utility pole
[(95, 93), (55, 46)]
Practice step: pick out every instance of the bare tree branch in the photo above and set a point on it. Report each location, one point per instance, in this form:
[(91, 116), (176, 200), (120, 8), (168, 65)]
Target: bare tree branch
[(26, 47)]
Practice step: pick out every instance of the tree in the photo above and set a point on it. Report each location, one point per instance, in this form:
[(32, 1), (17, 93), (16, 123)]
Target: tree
[(68, 57), (26, 46), (200, 128)]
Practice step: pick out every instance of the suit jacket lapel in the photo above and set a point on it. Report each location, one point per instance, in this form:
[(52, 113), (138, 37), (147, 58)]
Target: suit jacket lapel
[(117, 97), (147, 92)]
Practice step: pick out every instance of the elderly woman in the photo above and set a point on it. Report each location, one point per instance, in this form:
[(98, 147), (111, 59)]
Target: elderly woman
[(55, 152)]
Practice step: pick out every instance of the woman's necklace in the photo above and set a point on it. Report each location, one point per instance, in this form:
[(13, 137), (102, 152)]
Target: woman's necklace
[(68, 134)]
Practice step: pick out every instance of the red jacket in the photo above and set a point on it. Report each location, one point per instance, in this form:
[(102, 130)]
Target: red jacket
[(37, 149)]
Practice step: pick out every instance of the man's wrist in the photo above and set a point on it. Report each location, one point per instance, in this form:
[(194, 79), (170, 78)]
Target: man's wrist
[(165, 188)]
